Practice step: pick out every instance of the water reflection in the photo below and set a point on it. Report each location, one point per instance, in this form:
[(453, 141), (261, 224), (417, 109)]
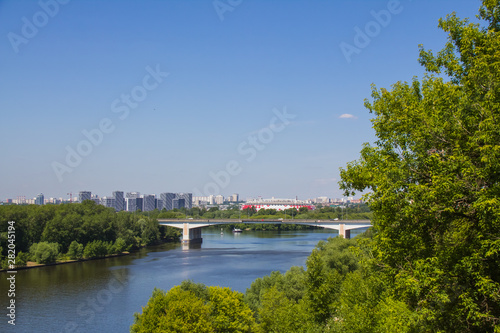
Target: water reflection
[(191, 246)]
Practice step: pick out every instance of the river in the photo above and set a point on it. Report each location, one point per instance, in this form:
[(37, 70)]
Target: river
[(102, 295)]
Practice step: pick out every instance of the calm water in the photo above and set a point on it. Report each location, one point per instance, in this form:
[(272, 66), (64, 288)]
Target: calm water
[(102, 295)]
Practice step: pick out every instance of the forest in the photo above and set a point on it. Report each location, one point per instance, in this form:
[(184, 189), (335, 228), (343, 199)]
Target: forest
[(48, 233)]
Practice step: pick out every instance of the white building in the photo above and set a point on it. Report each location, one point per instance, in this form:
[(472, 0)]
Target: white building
[(219, 200)]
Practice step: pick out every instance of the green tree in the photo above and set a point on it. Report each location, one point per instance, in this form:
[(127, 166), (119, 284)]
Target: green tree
[(95, 249), (322, 288), (199, 289), (303, 210), (176, 311), (44, 252), (280, 314), (249, 211), (433, 178), (150, 232), (22, 259), (120, 245), (228, 311), (193, 307), (75, 250), (292, 284)]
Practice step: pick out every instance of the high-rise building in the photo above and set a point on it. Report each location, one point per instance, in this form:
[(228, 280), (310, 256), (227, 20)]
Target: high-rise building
[(188, 199), (108, 202), (119, 201), (84, 195), (133, 195), (149, 202), (133, 204), (235, 197), (167, 200), (159, 204), (54, 201), (219, 200), (40, 199), (130, 204), (210, 200), (178, 203)]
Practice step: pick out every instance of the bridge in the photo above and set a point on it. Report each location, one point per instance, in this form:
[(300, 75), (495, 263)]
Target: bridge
[(191, 228)]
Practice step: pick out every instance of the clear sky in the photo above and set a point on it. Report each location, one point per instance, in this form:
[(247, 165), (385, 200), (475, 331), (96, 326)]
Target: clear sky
[(259, 97)]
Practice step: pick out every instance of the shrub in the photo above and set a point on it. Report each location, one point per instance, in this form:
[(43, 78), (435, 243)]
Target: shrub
[(95, 249), (75, 250), (44, 252)]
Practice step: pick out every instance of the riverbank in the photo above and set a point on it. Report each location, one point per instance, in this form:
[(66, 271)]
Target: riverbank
[(33, 264)]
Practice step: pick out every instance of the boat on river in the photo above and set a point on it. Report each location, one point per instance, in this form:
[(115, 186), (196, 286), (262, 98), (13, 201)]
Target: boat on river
[(236, 230)]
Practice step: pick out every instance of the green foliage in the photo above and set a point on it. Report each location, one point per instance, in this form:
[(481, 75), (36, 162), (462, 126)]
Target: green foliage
[(150, 232), (30, 222), (434, 180), (278, 313), (337, 256), (322, 287), (171, 215), (120, 245), (199, 289), (95, 249), (195, 308), (303, 210), (228, 311), (22, 259), (44, 252), (176, 311), (364, 304), (81, 223), (250, 211), (75, 250), (291, 284), (327, 267)]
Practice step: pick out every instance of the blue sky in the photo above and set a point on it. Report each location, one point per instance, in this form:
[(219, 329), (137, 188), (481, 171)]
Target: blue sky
[(224, 96)]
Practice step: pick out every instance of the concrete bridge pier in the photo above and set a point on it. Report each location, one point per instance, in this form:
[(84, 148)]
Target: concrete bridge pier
[(346, 233), (191, 235)]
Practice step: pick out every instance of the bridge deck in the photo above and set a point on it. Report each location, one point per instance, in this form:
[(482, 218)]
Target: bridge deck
[(261, 221), (191, 227)]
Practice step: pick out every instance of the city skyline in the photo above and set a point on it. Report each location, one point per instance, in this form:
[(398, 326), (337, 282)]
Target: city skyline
[(264, 99), (162, 197)]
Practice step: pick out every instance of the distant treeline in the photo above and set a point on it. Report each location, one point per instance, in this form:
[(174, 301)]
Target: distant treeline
[(351, 212), (73, 231)]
